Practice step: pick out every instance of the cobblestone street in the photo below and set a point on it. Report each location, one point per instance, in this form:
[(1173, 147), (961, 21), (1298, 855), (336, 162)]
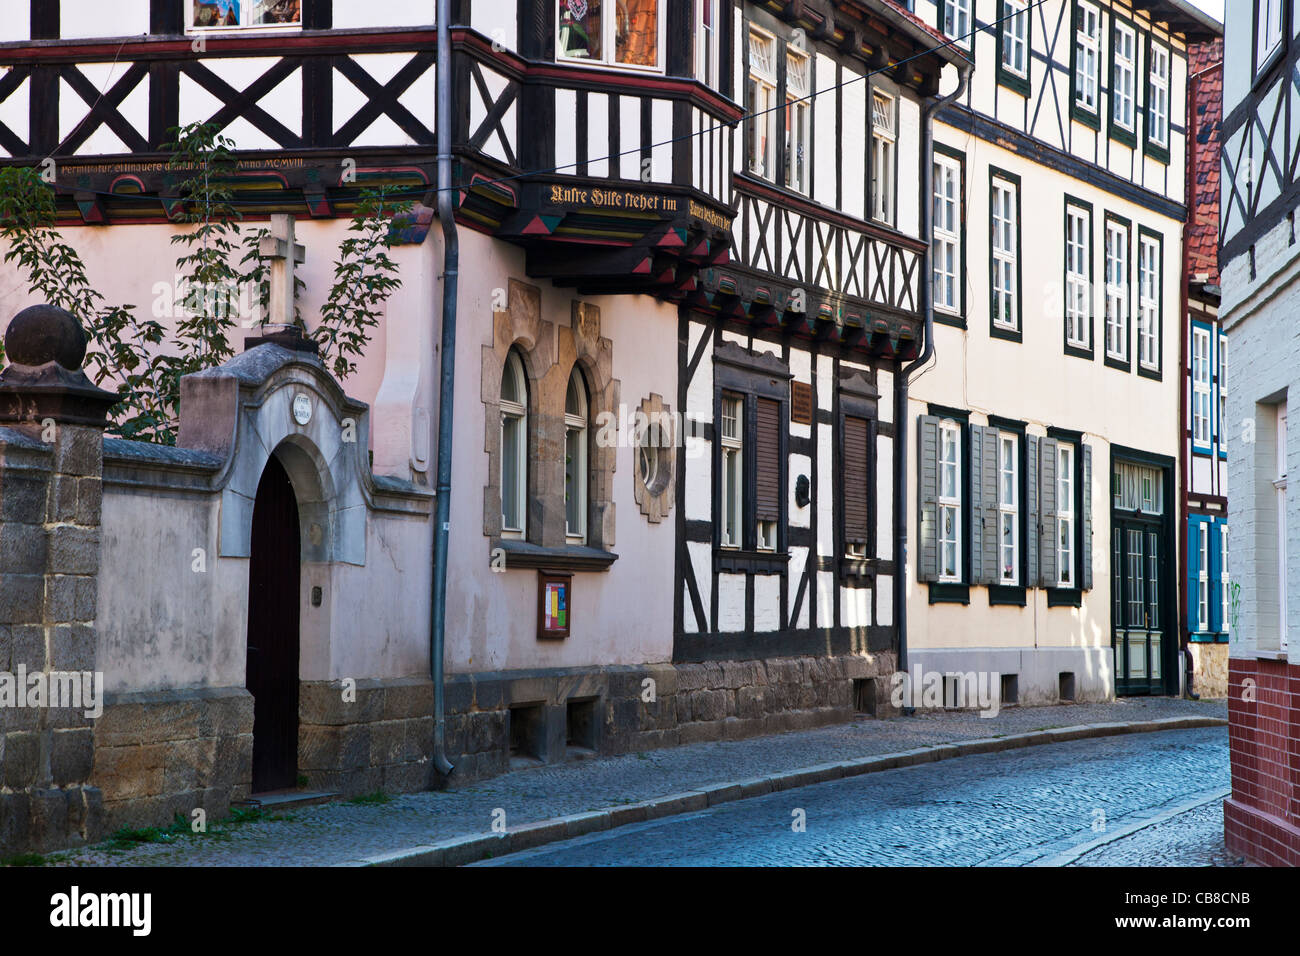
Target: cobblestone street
[(1013, 808), (350, 833)]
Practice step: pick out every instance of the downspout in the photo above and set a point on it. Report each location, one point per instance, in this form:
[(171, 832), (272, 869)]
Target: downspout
[(1184, 332), (927, 351), (446, 393)]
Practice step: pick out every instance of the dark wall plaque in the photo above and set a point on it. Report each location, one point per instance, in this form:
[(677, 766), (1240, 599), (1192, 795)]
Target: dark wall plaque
[(801, 403)]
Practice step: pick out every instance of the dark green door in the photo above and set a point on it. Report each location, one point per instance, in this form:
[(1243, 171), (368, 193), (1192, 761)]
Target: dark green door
[(1140, 633)]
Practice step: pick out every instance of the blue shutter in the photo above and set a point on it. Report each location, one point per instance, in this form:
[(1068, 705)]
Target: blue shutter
[(1193, 570), (1216, 560)]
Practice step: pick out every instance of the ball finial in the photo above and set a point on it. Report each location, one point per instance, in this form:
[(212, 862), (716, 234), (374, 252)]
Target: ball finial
[(45, 333)]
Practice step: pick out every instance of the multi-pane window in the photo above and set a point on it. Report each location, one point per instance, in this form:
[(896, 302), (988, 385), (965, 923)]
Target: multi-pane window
[(1268, 29), (1015, 37), (1065, 515), (627, 33), (1149, 302), (949, 502), (1121, 89), (1087, 56), (956, 21), (1116, 291), (575, 458), (1225, 584), (1003, 211), (1203, 577), (1008, 509), (733, 449), (224, 14), (707, 13), (1200, 386), (514, 447), (946, 244), (1078, 281), (1223, 391), (882, 156), (798, 108), (760, 103), (1158, 96)]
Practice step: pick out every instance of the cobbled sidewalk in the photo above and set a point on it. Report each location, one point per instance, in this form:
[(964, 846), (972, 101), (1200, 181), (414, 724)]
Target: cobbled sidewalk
[(351, 833)]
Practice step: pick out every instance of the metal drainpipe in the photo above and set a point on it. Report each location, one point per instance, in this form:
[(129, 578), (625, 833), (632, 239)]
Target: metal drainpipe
[(927, 350), (446, 393)]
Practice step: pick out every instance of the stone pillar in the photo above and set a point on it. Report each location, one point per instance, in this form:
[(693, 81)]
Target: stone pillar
[(52, 423)]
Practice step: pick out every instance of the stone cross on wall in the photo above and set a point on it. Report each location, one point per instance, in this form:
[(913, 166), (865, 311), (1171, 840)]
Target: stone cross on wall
[(284, 254)]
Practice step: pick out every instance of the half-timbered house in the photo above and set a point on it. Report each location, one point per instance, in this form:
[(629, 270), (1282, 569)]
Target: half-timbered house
[(1043, 541), (1260, 282)]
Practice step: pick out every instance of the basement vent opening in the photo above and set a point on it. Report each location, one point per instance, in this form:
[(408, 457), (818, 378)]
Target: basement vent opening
[(864, 696), (580, 727), (527, 735), (1066, 683), (1010, 689)]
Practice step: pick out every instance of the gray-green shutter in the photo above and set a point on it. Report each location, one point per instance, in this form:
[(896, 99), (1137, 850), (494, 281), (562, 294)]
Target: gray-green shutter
[(1047, 555), (1033, 526), (976, 505), (984, 473), (927, 498), (1086, 490)]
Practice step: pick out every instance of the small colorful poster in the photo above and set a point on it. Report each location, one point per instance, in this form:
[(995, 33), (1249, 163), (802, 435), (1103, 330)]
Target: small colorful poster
[(556, 613), (216, 13)]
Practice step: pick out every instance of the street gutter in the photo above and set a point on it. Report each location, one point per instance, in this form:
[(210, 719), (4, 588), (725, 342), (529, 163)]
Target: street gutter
[(458, 851)]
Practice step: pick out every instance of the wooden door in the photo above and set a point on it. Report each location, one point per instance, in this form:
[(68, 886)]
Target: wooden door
[(272, 670), (1139, 627)]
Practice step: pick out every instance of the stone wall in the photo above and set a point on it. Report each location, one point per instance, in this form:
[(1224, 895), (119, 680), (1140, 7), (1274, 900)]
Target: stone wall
[(1209, 670)]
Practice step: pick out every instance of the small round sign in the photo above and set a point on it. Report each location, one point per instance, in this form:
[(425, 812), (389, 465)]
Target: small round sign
[(301, 409)]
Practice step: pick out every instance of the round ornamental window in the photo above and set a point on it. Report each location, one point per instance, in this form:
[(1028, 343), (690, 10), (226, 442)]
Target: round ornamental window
[(647, 457), (654, 442)]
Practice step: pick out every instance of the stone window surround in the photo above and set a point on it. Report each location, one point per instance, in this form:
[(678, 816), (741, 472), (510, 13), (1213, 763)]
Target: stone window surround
[(549, 354)]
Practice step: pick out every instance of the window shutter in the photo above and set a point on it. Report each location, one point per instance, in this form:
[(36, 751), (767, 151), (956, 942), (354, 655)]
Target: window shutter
[(988, 477), (1031, 519), (856, 445), (1193, 572), (767, 461), (1047, 570), (1216, 605), (1085, 490), (927, 498), (978, 529)]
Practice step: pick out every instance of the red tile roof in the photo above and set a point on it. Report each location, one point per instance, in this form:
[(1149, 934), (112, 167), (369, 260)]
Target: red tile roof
[(1205, 80)]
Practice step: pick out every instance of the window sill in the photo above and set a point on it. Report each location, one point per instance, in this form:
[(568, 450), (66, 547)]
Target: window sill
[(1270, 655), (1152, 373), (1207, 637), (1064, 597), (1118, 363), (1005, 332), (1079, 351), (522, 554), (1086, 117), (949, 593), (758, 562)]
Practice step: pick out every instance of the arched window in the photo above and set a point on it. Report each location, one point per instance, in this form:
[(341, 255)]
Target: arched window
[(514, 447), (575, 458)]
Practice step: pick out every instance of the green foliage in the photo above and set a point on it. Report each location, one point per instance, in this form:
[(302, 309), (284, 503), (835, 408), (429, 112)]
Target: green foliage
[(1234, 598), (220, 266), (364, 277), (378, 798)]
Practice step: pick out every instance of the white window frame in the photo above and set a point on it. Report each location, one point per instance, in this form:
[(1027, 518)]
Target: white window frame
[(1008, 507), (1279, 491), (884, 155), (761, 158), (1203, 577), (1117, 298), (1087, 59), (1158, 96), (950, 438), (1225, 610), (732, 497), (797, 119), (957, 22), (1268, 30), (1123, 96), (246, 8), (1201, 429), (946, 242), (516, 411), (1149, 288), (1222, 385), (707, 50), (608, 32), (1004, 214), (1078, 281), (575, 431), (1015, 37), (1066, 574)]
